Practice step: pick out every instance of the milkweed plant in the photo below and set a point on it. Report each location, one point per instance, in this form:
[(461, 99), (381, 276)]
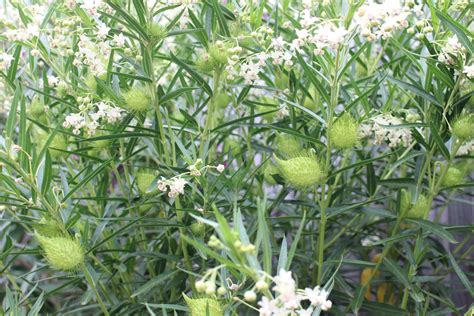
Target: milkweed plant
[(224, 157)]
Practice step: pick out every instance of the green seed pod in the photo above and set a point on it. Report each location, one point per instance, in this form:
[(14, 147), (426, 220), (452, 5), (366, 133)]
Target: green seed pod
[(58, 143), (204, 306), (463, 127), (222, 100), (218, 54), (288, 145), (137, 99), (102, 143), (233, 146), (453, 176), (36, 108), (416, 210), (281, 81), (63, 253), (48, 228), (300, 172), (157, 32), (268, 173), (343, 132), (206, 63), (144, 179), (198, 228), (91, 83)]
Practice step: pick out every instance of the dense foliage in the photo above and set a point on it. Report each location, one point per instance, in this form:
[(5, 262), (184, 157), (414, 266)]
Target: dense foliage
[(235, 157)]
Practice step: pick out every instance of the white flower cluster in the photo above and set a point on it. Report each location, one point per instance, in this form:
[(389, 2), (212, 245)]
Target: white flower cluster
[(175, 185), (92, 54), (92, 116), (451, 50), (5, 61), (377, 20), (469, 71), (385, 129), (288, 298), (17, 30)]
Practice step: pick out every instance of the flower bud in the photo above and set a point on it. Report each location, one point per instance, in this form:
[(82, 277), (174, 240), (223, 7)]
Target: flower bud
[(300, 172), (343, 132), (221, 291), (250, 296), (203, 306), (137, 99), (453, 176), (200, 286), (63, 253), (210, 288), (261, 285), (463, 128)]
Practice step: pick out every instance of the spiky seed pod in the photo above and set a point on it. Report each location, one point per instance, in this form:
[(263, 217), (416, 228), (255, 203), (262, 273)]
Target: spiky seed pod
[(137, 99), (157, 32), (144, 180), (36, 108), (57, 144), (198, 228), (463, 127), (63, 253), (300, 172), (288, 145), (203, 306), (343, 132), (269, 171), (221, 100), (218, 53), (206, 63), (91, 83), (48, 228), (100, 144), (453, 176), (416, 210)]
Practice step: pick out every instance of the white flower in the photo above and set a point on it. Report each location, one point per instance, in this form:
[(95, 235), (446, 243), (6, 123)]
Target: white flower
[(314, 296), (220, 168), (102, 31), (119, 40), (177, 187), (469, 71)]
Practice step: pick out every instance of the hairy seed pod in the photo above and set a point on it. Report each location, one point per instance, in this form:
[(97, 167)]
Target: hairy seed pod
[(269, 171), (343, 132), (288, 145), (63, 253), (157, 32), (204, 306), (137, 99), (453, 176), (144, 180), (414, 210), (463, 127), (222, 99), (300, 172), (219, 54), (198, 228)]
